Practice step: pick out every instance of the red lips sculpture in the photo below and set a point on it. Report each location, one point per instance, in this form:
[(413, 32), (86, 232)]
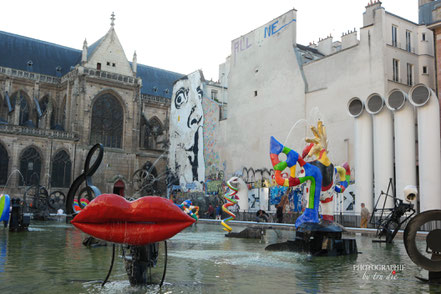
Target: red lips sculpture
[(146, 220)]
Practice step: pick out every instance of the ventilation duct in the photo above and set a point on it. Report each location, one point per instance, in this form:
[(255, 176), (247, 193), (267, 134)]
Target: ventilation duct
[(382, 147), (429, 158), (404, 132), (363, 154)]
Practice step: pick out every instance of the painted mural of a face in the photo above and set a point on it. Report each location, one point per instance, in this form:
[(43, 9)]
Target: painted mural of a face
[(186, 133)]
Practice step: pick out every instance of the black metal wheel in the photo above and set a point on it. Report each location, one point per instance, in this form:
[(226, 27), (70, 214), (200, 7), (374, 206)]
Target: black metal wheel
[(36, 197), (57, 200), (433, 240), (144, 182)]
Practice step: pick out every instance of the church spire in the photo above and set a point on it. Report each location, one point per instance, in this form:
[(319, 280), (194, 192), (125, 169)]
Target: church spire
[(84, 53), (135, 62)]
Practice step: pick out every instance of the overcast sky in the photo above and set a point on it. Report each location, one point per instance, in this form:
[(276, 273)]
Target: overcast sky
[(183, 35)]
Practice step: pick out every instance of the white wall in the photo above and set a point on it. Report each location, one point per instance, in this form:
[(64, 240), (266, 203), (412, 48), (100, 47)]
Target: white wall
[(263, 62)]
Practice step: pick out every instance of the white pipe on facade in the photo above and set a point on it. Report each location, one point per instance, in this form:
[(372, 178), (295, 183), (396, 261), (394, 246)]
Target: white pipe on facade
[(363, 168), (404, 131), (429, 158), (383, 148)]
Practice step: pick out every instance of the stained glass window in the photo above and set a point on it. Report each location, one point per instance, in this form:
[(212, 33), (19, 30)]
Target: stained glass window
[(107, 121), (61, 170), (30, 167)]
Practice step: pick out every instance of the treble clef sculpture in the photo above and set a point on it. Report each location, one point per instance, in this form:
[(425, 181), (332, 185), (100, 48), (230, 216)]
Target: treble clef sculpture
[(86, 176)]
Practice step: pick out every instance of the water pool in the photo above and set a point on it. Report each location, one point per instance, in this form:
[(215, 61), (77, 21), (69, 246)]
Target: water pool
[(50, 258)]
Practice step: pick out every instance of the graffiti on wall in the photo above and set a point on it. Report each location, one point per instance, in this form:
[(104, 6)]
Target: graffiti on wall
[(213, 164), (186, 132), (253, 200), (258, 36), (295, 198), (213, 187)]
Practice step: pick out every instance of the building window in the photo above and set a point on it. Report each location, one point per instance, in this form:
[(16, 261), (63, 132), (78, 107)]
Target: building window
[(30, 167), (214, 94), (108, 63), (152, 133), (394, 36), (98, 66), (424, 69), (223, 112), (61, 170), (107, 121), (423, 37), (4, 162), (409, 74), (30, 68), (395, 69), (408, 41), (113, 64), (255, 93), (25, 115), (4, 108)]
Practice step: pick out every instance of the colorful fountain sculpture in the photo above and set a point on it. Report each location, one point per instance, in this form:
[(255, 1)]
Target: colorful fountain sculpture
[(314, 234), (190, 209), (139, 224), (5, 204)]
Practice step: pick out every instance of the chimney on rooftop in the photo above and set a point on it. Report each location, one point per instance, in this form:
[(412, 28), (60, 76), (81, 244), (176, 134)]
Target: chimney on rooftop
[(325, 45), (369, 14), (349, 39)]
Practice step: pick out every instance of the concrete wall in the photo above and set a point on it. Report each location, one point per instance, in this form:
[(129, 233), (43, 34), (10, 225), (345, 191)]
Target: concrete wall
[(266, 93), (211, 130)]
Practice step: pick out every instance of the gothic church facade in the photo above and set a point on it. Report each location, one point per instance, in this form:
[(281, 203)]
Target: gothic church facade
[(57, 102)]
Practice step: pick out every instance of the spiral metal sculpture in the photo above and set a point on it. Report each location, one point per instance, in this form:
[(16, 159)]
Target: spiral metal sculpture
[(231, 200)]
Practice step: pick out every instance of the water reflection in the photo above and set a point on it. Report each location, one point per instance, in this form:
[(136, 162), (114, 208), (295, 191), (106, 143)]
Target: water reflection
[(50, 258)]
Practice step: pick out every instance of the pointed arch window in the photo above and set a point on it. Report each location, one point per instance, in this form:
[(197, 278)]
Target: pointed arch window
[(3, 110), (4, 162), (150, 132), (30, 167), (44, 103), (25, 111), (107, 121), (61, 170)]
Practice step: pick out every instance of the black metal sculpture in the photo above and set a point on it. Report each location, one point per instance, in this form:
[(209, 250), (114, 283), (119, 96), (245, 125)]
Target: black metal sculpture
[(391, 219), (36, 201), (139, 260), (18, 221), (322, 239), (57, 200), (91, 190), (433, 244)]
